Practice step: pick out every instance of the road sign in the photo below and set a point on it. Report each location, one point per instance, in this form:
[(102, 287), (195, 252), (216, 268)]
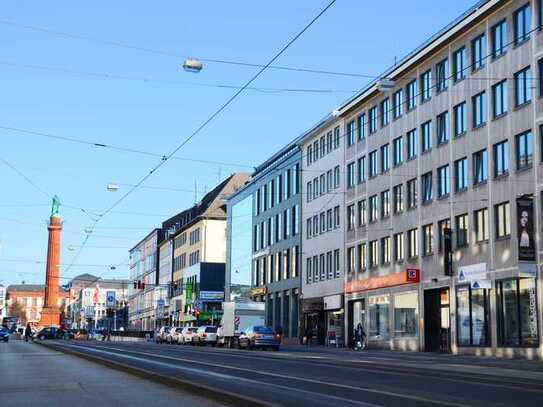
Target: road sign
[(110, 299), (198, 305)]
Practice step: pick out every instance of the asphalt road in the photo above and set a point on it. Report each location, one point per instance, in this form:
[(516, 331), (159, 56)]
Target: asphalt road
[(297, 377)]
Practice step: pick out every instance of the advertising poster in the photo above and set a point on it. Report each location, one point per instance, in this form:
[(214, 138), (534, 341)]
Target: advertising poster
[(525, 229)]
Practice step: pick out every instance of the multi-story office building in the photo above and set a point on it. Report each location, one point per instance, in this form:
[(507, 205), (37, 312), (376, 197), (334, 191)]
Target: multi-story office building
[(323, 221), (275, 219), (3, 310), (454, 144)]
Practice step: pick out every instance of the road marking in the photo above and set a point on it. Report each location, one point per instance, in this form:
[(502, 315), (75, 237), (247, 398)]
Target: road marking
[(232, 378), (283, 376)]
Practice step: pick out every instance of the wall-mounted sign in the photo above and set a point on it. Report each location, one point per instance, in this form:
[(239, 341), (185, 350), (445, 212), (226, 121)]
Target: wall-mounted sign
[(333, 302), (475, 275), (259, 291), (211, 295), (408, 276)]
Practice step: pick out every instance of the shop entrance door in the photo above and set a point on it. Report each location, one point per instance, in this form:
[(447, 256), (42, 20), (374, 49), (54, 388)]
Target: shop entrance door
[(436, 320)]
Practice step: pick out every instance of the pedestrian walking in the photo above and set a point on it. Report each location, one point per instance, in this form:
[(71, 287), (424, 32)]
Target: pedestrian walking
[(308, 337), (359, 337), (28, 332)]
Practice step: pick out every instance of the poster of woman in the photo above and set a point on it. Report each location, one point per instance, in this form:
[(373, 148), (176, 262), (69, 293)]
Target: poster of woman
[(525, 228)]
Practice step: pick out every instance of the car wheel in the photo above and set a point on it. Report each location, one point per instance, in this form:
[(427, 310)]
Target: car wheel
[(41, 337), (275, 348)]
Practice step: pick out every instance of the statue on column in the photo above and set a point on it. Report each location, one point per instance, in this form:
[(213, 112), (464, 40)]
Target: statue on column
[(56, 206)]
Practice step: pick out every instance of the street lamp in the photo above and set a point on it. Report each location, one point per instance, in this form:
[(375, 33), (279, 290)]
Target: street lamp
[(192, 65), (112, 187)]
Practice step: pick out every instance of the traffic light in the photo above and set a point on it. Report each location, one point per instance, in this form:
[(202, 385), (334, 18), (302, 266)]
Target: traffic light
[(135, 284), (447, 252)]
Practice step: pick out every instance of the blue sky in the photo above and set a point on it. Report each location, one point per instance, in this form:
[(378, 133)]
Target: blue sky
[(155, 115)]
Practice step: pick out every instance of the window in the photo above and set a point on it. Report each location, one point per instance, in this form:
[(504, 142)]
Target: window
[(373, 119), (379, 310), (398, 247), (309, 156), (323, 146), (329, 220), (412, 193), (362, 209), (427, 240), (337, 271), (336, 137), (385, 250), (412, 144), (523, 89), (442, 75), (336, 177), (478, 52), (351, 260), (405, 314), (330, 265), (426, 187), (426, 85), (329, 142), (374, 209), (336, 217), (315, 150), (398, 198), (351, 175), (517, 312), (441, 226), (525, 150), (385, 158), (479, 109), (316, 189), (398, 103), (316, 225), (362, 255), (461, 174), (472, 310), (462, 230), (362, 123), (499, 39), (374, 169), (373, 254), (308, 228), (481, 224), (540, 69), (385, 112), (502, 214), (398, 151), (460, 119), (501, 158), (480, 167), (499, 99), (385, 204), (523, 23), (351, 134), (350, 217), (361, 169), (459, 64), (322, 181), (443, 181), (426, 136), (443, 128), (411, 91), (309, 191), (412, 244), (329, 180)]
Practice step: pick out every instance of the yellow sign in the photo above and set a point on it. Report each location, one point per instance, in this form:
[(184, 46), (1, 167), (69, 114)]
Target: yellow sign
[(259, 291)]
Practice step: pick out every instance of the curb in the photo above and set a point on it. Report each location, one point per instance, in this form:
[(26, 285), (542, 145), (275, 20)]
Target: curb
[(197, 389)]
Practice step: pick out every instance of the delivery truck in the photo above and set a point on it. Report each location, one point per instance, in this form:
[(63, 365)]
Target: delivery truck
[(237, 317)]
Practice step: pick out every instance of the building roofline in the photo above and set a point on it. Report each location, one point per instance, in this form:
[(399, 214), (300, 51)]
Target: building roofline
[(428, 46), (155, 230)]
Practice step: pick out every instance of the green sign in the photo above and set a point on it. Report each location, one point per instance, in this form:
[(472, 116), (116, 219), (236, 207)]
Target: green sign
[(188, 294)]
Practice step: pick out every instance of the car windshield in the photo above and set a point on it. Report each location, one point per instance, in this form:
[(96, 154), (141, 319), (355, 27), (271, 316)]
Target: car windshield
[(193, 329), (211, 329), (262, 330)]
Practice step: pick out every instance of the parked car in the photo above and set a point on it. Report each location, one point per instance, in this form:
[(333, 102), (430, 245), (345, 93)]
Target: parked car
[(173, 335), (186, 334), (259, 337), (162, 334), (50, 332), (4, 334), (205, 335)]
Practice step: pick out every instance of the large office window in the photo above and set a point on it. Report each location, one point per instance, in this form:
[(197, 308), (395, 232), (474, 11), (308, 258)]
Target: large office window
[(479, 109), (462, 231), (524, 150), (385, 250), (399, 254), (481, 225), (443, 128), (502, 217), (362, 254), (373, 119), (427, 240), (373, 254), (523, 89), (385, 112), (385, 203), (350, 217), (443, 181), (442, 75), (398, 198), (412, 193), (501, 158), (374, 208), (461, 174), (351, 133), (441, 226), (472, 310), (351, 260), (398, 103), (426, 130), (362, 125), (499, 99), (426, 187), (398, 151), (336, 137), (480, 167), (411, 144), (499, 39), (373, 164), (412, 243), (351, 175), (336, 176), (460, 119), (459, 64), (517, 312), (426, 86), (385, 158), (523, 23), (361, 169), (411, 91), (362, 213), (478, 52)]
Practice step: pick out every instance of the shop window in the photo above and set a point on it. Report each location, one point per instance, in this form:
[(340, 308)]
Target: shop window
[(472, 310), (517, 312), (379, 317), (405, 314)]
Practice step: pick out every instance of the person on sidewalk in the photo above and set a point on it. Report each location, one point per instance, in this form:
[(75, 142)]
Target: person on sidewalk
[(359, 337), (28, 332), (308, 337)]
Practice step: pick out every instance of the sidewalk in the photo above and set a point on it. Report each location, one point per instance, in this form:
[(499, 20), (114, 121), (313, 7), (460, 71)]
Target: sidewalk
[(35, 376)]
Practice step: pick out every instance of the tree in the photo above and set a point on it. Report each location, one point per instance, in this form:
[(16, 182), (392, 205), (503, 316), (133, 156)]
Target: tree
[(17, 310)]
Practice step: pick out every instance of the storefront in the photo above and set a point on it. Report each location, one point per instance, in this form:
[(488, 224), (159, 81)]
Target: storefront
[(334, 317), (388, 309), (314, 319)]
